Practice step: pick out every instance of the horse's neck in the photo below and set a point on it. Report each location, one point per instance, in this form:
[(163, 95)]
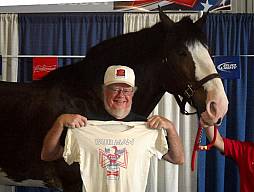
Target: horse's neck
[(145, 106), (147, 97), (126, 49), (129, 49)]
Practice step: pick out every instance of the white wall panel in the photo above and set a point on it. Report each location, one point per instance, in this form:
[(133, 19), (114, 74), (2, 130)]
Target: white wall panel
[(243, 6)]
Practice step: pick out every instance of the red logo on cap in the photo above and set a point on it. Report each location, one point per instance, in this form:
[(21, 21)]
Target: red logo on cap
[(120, 72)]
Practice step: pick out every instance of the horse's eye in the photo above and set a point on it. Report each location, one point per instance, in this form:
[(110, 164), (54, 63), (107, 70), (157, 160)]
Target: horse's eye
[(182, 53)]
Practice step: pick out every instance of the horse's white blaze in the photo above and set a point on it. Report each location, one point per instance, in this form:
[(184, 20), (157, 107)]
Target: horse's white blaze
[(217, 102), (4, 180)]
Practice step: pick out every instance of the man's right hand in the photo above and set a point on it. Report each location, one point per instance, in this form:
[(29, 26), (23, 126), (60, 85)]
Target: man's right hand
[(72, 120)]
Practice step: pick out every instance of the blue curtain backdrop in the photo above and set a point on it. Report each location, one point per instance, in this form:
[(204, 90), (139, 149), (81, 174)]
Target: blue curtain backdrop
[(231, 35), (62, 34)]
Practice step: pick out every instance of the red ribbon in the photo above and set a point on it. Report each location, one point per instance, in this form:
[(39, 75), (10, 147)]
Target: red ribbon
[(198, 147)]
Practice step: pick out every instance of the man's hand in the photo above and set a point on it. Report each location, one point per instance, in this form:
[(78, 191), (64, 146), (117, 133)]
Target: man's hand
[(175, 152), (52, 149), (72, 120), (158, 122)]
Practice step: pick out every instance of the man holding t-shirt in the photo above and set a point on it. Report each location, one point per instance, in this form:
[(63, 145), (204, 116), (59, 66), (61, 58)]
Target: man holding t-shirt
[(114, 150)]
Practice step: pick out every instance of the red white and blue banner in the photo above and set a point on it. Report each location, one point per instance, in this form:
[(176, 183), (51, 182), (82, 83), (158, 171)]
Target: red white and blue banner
[(193, 5)]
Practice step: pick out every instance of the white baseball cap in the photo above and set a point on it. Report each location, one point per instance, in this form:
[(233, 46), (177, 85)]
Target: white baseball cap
[(119, 74)]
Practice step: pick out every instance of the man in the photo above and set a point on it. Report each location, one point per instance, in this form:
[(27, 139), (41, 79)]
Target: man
[(118, 91), (241, 152)]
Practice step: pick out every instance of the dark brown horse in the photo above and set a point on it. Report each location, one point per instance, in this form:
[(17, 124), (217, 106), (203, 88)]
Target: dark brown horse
[(168, 57)]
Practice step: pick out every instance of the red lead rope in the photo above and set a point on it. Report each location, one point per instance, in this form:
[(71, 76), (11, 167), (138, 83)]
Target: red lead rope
[(198, 147)]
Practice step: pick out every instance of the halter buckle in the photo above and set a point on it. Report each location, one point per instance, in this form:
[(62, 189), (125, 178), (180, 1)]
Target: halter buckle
[(188, 92)]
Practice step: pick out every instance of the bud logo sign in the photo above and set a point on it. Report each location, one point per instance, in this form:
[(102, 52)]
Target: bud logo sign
[(42, 66), (228, 67)]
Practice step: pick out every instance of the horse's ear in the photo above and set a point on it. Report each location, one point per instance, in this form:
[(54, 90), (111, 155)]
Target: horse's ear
[(202, 20), (166, 21)]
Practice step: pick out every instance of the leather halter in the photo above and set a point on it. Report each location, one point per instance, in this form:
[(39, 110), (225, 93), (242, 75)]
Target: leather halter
[(187, 95), (189, 92)]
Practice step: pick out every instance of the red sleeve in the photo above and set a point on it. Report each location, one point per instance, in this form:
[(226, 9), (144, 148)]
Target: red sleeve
[(233, 148)]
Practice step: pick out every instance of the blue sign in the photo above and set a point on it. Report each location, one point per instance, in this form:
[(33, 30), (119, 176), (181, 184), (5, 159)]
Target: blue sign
[(228, 66)]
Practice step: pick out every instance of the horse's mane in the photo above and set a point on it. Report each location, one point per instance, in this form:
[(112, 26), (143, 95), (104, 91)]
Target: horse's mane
[(189, 32)]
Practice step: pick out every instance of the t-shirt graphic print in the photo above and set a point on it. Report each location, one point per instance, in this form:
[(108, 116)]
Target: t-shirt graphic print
[(114, 156)]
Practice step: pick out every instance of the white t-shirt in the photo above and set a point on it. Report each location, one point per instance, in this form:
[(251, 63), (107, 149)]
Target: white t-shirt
[(114, 156)]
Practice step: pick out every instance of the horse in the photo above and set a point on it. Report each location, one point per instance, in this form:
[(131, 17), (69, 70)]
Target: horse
[(167, 57)]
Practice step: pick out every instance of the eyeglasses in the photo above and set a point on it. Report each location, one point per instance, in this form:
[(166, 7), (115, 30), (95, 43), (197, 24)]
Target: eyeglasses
[(117, 90)]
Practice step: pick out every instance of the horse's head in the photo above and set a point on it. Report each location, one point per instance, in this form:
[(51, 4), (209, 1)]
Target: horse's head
[(192, 69)]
